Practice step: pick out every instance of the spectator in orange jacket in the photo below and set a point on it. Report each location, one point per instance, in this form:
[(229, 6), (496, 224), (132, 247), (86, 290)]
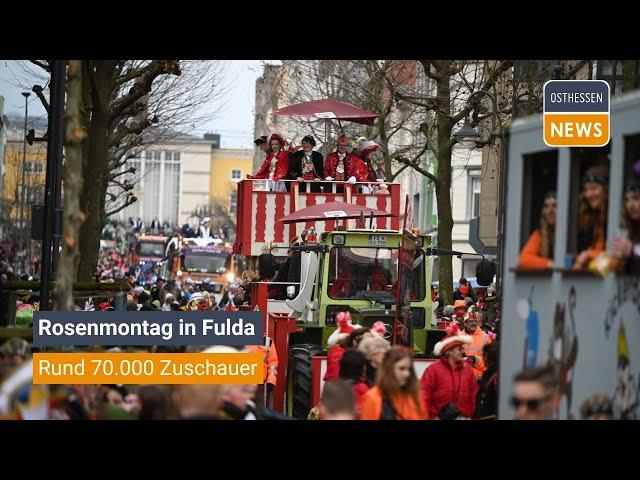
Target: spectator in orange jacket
[(537, 253), (270, 362), (479, 338), (397, 394)]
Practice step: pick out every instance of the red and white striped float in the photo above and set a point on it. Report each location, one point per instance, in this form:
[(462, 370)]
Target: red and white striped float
[(259, 210)]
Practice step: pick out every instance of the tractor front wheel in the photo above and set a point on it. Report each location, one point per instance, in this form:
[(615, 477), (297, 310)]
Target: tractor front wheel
[(300, 379)]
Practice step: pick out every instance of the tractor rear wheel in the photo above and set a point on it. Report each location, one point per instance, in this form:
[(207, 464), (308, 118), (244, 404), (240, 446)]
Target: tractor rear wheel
[(300, 379)]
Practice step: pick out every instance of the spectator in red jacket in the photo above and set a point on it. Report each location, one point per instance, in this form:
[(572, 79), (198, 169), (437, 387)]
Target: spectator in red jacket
[(449, 385)]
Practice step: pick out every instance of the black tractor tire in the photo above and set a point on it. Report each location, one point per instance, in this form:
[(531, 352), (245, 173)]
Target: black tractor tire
[(300, 378)]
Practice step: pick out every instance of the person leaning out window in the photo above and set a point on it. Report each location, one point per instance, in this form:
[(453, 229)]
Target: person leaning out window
[(537, 253), (592, 215)]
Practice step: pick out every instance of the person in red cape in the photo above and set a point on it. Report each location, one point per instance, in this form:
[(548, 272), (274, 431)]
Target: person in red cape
[(276, 164), (339, 165)]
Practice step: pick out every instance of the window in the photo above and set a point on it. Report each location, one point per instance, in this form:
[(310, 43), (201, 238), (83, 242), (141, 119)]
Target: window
[(151, 187), (236, 175), (543, 166), (168, 155), (589, 171), (355, 270), (233, 203), (473, 203), (28, 167), (171, 188), (612, 72), (38, 167)]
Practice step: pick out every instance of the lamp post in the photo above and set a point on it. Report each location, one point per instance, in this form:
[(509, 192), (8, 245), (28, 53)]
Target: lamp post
[(467, 132), (20, 265)]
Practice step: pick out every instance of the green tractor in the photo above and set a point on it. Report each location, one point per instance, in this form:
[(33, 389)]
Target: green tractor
[(356, 271)]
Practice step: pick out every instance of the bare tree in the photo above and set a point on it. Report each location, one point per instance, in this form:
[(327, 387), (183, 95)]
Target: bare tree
[(73, 217), (128, 105), (452, 99)]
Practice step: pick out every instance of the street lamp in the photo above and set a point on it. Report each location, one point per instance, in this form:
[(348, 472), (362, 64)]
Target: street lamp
[(467, 133), (20, 267)]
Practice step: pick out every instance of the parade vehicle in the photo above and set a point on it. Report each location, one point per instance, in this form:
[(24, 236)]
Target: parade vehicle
[(150, 251), (583, 322), (205, 260), (370, 266)]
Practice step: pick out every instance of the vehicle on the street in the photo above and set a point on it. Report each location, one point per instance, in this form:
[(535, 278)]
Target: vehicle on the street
[(206, 260), (151, 251), (585, 322), (366, 266)]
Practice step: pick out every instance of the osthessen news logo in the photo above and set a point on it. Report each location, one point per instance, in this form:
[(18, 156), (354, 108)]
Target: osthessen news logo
[(576, 113)]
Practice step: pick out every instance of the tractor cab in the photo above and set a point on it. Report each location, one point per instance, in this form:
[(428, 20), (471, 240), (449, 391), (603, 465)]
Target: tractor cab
[(358, 271)]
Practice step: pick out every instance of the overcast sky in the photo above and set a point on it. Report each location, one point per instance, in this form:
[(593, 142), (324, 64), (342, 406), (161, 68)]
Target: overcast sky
[(234, 123)]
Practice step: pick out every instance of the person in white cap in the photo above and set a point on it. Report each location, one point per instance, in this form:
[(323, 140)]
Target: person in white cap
[(205, 229)]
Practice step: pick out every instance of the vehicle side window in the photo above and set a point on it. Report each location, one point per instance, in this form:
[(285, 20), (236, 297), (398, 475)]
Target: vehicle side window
[(588, 205), (538, 215)]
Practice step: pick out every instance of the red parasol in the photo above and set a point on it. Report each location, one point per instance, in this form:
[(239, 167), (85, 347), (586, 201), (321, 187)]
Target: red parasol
[(328, 109), (333, 211)]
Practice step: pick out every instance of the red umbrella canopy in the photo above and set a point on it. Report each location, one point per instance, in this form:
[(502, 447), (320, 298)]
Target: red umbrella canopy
[(328, 108), (332, 211)]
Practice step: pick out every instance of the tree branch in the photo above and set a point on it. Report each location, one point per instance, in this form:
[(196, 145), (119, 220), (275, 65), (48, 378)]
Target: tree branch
[(130, 200), (488, 83), (575, 69), (133, 128), (37, 89), (46, 65), (92, 81), (142, 86), (416, 166), (112, 176)]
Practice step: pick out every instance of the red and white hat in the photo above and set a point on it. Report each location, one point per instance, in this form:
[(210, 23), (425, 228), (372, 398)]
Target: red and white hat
[(369, 146), (453, 339), (345, 327), (379, 329)]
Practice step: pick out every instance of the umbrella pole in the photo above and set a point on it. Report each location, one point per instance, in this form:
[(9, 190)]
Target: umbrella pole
[(326, 137)]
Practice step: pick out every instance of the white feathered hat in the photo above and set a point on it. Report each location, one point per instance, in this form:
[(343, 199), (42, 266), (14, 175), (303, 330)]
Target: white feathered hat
[(453, 339)]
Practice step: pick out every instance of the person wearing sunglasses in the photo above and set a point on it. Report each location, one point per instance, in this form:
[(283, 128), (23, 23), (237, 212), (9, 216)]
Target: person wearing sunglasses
[(535, 394)]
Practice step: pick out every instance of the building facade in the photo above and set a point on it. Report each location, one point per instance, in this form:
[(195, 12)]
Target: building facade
[(14, 191), (171, 181), (228, 167), (272, 93)]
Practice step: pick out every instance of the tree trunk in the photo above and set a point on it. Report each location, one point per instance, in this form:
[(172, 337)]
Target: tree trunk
[(443, 190), (73, 181), (94, 191)]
